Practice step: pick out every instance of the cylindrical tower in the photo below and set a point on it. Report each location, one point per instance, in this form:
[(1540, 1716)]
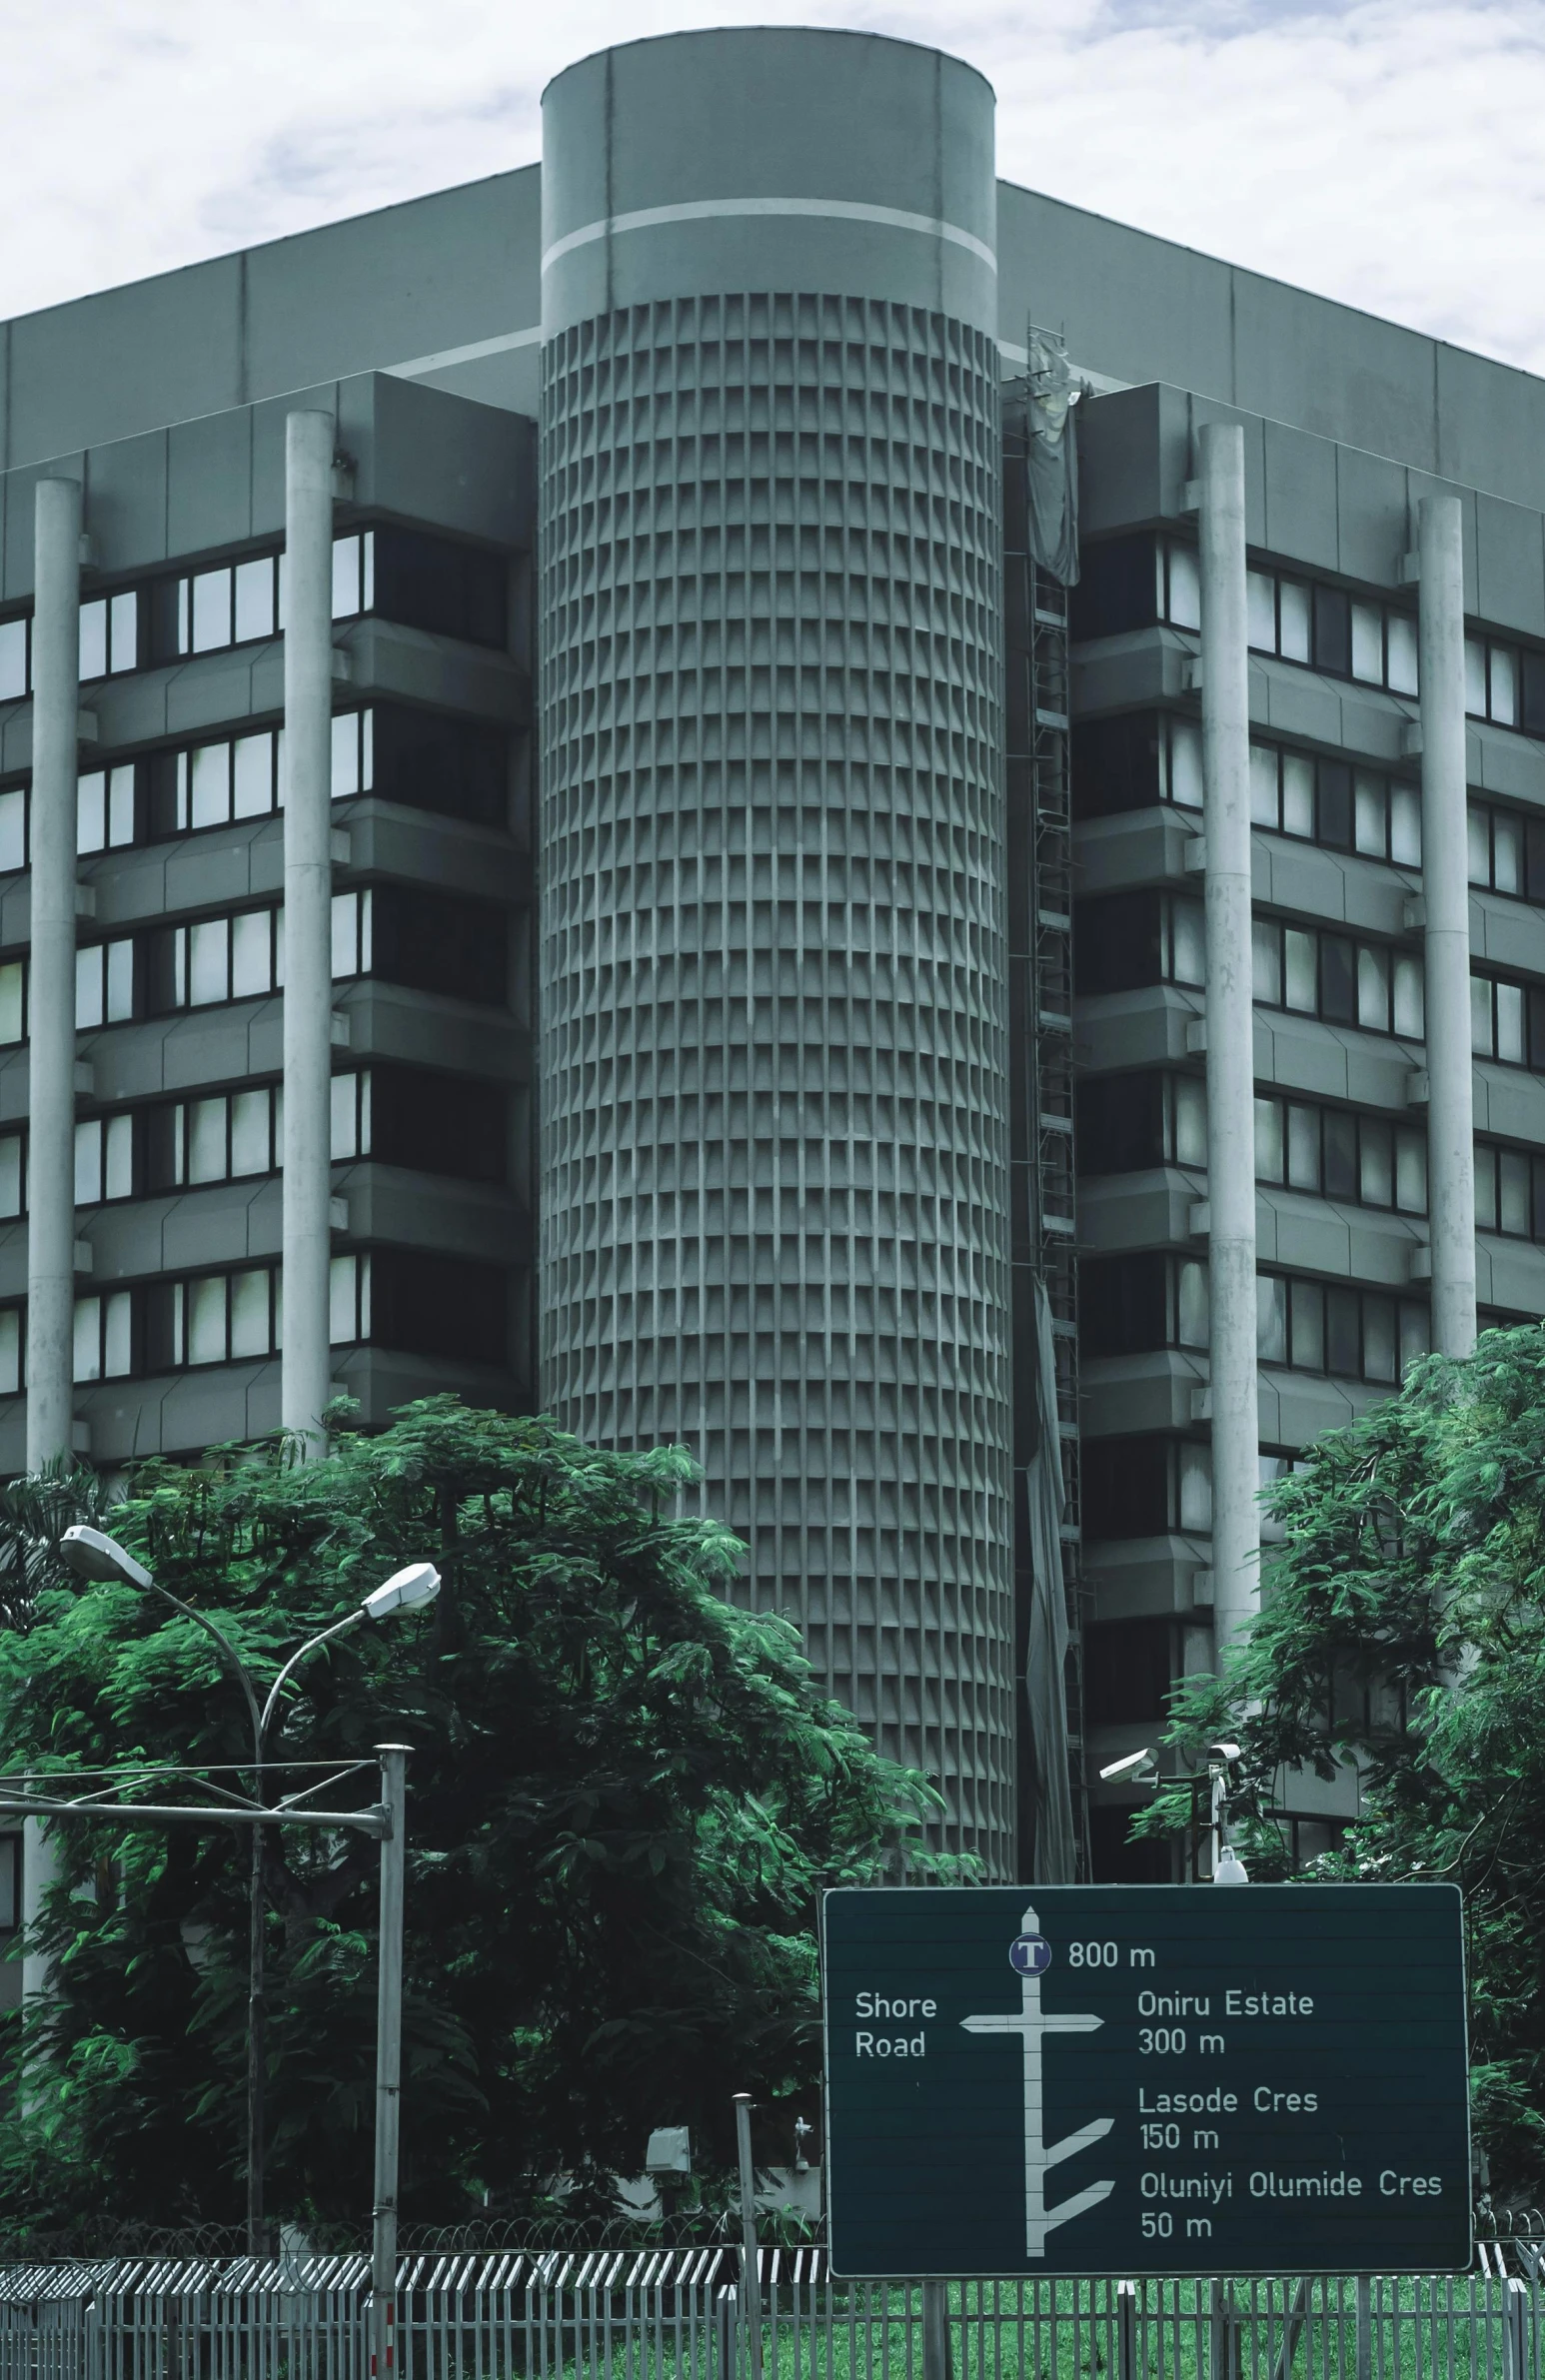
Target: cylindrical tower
[(773, 987)]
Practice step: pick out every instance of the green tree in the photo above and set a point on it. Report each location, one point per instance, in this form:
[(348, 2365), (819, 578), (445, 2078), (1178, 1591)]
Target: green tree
[(624, 1797), (1404, 1629)]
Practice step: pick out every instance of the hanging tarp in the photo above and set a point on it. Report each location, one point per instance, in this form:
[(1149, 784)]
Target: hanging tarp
[(1052, 1853), (1052, 457)]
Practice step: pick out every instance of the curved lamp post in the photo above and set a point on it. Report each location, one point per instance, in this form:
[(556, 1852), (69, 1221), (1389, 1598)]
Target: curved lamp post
[(91, 1553)]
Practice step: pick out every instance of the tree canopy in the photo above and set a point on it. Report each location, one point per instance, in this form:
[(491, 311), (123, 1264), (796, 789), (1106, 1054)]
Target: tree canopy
[(1403, 1629), (624, 1795)]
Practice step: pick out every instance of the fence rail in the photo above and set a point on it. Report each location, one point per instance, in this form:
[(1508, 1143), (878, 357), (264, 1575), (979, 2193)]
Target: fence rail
[(691, 2314)]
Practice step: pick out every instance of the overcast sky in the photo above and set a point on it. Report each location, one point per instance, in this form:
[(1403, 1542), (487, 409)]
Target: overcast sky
[(1388, 152)]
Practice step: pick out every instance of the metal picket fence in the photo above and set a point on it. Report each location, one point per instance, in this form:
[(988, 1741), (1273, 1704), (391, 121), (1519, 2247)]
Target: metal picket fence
[(691, 2314)]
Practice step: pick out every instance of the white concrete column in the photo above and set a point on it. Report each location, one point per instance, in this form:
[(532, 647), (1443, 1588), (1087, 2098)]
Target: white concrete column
[(306, 1369), (51, 973), (1446, 898), (1225, 723)]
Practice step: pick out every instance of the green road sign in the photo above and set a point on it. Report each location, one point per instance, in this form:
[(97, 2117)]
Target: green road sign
[(1131, 2078)]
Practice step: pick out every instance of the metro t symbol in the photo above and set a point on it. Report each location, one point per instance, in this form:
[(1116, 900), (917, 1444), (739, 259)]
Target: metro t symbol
[(1030, 2025)]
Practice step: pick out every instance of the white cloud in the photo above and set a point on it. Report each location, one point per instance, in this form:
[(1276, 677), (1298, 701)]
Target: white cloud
[(1384, 151)]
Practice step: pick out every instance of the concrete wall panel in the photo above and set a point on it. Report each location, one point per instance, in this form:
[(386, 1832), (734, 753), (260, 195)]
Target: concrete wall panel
[(1300, 510), (1510, 565)]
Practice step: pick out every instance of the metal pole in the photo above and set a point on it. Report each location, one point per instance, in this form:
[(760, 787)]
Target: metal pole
[(306, 1365), (1126, 2330), (51, 974), (1364, 2321), (257, 2041), (389, 2060), (750, 2275), (1446, 898), (1225, 723), (937, 2361)]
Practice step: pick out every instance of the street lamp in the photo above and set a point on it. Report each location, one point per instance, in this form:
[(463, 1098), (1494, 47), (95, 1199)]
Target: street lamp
[(91, 1553), (1140, 1769)]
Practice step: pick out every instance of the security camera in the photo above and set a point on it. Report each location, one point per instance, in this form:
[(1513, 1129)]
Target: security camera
[(1227, 1751), (1136, 1769)]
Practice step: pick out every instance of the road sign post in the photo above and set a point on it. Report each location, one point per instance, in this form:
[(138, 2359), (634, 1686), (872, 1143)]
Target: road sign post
[(1146, 2078)]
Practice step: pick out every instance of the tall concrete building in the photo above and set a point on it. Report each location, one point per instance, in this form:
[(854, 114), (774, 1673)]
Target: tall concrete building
[(626, 790)]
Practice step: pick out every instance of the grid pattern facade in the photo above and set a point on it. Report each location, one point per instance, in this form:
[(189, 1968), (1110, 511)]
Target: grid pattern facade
[(773, 979)]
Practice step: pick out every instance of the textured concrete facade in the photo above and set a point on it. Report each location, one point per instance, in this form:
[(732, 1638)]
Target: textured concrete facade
[(774, 1059)]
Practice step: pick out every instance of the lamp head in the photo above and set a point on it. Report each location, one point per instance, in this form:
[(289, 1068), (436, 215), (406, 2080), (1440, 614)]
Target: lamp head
[(1230, 1869), (1137, 1768), (405, 1591), (92, 1553)]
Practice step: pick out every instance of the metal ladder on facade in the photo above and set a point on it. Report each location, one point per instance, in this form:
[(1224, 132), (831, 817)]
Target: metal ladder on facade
[(1040, 863)]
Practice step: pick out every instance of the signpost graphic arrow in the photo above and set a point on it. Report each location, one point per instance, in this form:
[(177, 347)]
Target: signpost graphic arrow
[(1029, 1956)]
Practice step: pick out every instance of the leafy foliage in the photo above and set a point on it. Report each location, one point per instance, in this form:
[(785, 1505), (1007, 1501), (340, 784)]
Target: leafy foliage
[(624, 1795), (1404, 1630)]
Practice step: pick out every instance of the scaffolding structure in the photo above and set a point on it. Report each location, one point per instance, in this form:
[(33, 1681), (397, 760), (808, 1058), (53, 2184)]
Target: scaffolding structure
[(1040, 962)]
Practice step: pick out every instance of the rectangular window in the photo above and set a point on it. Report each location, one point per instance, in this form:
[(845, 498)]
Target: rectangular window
[(10, 1349), (1370, 803), (353, 753), (431, 942), (1194, 1496), (1265, 786), (1350, 1333), (225, 1137), (1120, 587), (444, 1306), (241, 602), (1188, 940), (105, 810), (13, 829), (1261, 611), (1183, 606), (1333, 630), (1502, 685), (218, 959), (235, 779), (1119, 763), (449, 589), (217, 1318), (103, 1337), (352, 913), (255, 597), (104, 983), (1405, 825), (350, 1115), (1507, 1022), (110, 634), (252, 1324), (1330, 975), (1509, 1191), (1345, 636), (1338, 1151), (104, 1160), (13, 1002), (1367, 644), (13, 1174), (15, 660), (1292, 620), (1266, 960), (1507, 851), (1400, 651), (1373, 987), (1270, 1141)]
